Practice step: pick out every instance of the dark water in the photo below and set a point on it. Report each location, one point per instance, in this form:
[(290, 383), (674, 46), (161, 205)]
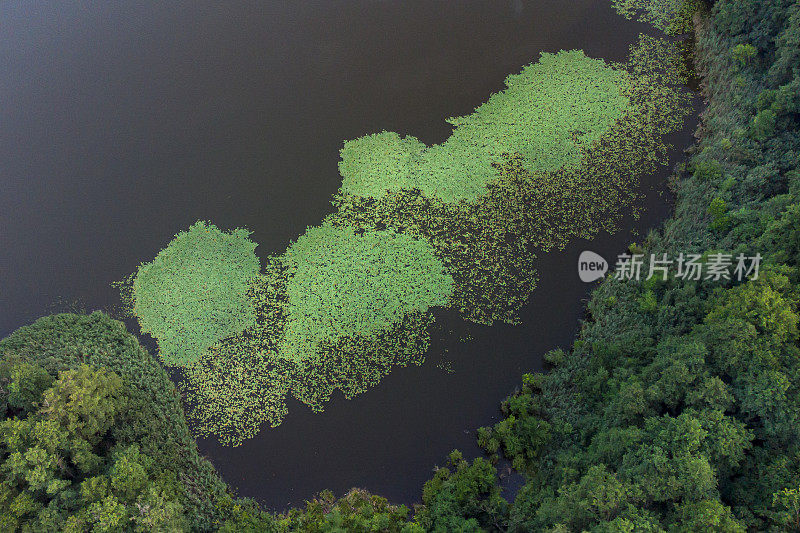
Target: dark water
[(122, 124)]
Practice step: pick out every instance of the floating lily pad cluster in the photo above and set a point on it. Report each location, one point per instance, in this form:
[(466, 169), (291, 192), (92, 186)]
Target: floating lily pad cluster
[(342, 284), (194, 292), (670, 16), (488, 244), (567, 99), (556, 156)]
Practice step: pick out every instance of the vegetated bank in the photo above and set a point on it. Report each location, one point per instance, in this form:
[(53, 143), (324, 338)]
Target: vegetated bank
[(93, 436)]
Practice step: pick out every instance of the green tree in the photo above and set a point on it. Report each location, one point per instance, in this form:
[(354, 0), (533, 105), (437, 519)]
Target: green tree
[(62, 469), (463, 497), (744, 53), (358, 511), (718, 209)]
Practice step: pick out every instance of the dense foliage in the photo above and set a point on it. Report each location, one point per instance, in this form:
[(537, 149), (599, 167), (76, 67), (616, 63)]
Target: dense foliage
[(356, 512), (462, 497), (60, 475), (93, 437)]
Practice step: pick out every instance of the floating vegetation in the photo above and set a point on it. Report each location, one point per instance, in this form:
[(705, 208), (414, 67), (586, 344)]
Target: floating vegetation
[(488, 244), (556, 156), (567, 99), (354, 364), (234, 388), (193, 293), (670, 16), (244, 381), (342, 284), (445, 366)]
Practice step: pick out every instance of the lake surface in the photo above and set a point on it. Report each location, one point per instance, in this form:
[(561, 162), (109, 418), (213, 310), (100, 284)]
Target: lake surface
[(123, 124)]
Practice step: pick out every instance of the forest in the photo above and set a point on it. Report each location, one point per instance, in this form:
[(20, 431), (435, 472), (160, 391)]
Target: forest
[(677, 407)]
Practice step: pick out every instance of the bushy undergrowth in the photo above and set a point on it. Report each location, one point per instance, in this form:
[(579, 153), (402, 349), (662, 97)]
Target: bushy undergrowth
[(93, 436)]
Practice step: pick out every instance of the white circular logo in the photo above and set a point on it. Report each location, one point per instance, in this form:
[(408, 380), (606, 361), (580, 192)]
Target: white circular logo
[(591, 266)]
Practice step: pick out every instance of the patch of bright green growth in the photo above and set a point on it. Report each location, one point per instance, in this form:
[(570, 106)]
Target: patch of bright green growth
[(372, 164), (743, 53), (670, 16), (193, 293), (718, 209), (648, 302), (549, 114), (342, 283)]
